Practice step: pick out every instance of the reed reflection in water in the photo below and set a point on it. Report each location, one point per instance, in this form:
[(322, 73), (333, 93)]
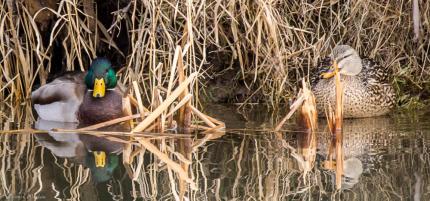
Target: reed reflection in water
[(385, 159)]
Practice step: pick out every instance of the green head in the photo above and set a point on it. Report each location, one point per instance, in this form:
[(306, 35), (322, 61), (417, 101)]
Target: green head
[(100, 77), (102, 165)]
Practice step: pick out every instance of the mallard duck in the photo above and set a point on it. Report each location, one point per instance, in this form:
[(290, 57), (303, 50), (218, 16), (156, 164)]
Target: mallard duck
[(85, 98), (367, 88)]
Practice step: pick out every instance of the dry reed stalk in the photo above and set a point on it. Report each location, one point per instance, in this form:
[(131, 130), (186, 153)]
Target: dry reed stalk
[(217, 129), (180, 105), (165, 158), (109, 123), (184, 119), (339, 101), (200, 127), (216, 121), (164, 105), (308, 111), (308, 117), (305, 100), (159, 121), (335, 120), (126, 107), (210, 121), (202, 117), (18, 131), (339, 160), (170, 85), (208, 137), (139, 99), (135, 135), (185, 150), (135, 103), (127, 150)]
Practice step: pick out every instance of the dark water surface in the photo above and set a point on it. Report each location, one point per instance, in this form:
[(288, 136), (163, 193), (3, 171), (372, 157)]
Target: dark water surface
[(385, 158)]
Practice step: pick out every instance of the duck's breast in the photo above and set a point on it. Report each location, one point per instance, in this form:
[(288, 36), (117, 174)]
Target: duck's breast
[(97, 110)]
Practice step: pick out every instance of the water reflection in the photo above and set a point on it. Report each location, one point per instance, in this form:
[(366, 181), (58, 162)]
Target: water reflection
[(384, 159), (379, 153), (97, 153)]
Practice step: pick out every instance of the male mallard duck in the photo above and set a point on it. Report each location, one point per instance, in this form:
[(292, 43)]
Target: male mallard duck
[(367, 88), (78, 97), (82, 98)]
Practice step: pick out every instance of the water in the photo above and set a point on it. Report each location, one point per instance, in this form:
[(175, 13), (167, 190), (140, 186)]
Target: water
[(385, 158)]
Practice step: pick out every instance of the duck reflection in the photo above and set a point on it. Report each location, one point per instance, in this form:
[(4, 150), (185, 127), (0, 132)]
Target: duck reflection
[(360, 140), (97, 153)]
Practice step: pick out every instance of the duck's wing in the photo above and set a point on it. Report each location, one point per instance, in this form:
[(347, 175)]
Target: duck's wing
[(374, 73), (322, 67), (378, 82), (59, 100)]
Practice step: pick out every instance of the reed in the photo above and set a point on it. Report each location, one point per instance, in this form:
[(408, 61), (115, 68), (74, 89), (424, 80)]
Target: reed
[(308, 115), (269, 45), (335, 124)]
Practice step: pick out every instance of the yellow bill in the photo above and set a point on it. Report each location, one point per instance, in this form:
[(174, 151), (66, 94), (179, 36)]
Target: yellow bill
[(328, 74), (99, 88), (100, 158), (332, 71)]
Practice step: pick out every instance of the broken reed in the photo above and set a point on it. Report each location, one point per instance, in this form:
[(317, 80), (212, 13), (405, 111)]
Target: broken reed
[(308, 114)]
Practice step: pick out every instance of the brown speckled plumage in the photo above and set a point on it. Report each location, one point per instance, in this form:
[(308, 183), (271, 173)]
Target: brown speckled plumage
[(367, 94)]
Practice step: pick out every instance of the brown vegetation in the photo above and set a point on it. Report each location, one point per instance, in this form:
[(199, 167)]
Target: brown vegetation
[(264, 46)]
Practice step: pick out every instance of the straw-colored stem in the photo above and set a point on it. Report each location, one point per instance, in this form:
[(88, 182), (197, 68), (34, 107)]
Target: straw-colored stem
[(165, 158), (339, 100), (202, 116), (110, 122), (164, 105)]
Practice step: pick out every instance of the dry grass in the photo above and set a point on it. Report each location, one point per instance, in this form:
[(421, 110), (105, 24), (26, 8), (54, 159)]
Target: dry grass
[(270, 44)]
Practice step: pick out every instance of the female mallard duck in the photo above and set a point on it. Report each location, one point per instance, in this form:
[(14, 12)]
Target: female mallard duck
[(367, 88), (88, 98)]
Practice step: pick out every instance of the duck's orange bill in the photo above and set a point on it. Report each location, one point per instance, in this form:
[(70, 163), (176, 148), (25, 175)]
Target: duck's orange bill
[(328, 74), (99, 88), (332, 72), (100, 158)]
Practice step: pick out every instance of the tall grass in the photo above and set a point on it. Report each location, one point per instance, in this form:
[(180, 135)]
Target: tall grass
[(270, 44)]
